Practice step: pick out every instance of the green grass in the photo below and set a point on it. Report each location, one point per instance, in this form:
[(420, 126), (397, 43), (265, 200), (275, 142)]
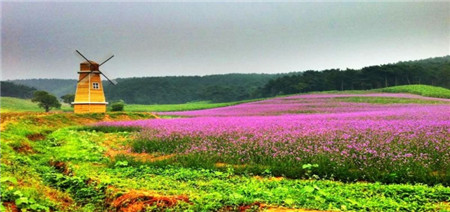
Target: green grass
[(11, 104), (423, 90), (30, 181), (181, 107), (388, 100), (342, 92)]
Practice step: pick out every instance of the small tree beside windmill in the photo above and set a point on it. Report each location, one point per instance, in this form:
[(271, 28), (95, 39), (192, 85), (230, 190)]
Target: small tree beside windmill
[(45, 100), (89, 96)]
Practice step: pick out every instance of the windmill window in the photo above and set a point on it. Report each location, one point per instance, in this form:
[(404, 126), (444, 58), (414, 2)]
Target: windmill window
[(95, 85)]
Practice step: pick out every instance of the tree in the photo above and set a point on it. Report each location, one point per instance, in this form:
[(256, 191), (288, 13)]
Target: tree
[(68, 98), (45, 100)]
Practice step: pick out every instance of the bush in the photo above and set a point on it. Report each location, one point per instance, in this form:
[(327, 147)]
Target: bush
[(118, 106)]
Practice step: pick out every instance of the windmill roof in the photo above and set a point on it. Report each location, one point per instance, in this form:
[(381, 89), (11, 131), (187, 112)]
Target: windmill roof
[(92, 62)]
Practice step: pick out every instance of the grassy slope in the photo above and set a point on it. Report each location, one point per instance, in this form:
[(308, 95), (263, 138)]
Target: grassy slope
[(423, 90), (388, 100), (11, 104), (181, 107)]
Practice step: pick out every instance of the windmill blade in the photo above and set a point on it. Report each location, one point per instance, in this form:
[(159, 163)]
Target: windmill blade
[(85, 77), (114, 82), (83, 56), (106, 61)]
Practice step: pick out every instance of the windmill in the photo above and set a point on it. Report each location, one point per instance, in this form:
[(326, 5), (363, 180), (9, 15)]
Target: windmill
[(89, 97)]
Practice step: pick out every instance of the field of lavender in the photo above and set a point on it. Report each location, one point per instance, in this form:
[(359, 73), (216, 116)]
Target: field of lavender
[(313, 135)]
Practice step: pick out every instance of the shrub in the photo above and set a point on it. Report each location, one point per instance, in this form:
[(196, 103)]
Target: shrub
[(118, 106)]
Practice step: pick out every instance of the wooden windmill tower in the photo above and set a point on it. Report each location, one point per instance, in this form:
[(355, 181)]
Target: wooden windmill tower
[(89, 97)]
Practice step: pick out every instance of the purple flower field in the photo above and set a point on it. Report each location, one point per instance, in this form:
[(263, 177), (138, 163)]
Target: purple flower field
[(349, 141), (308, 103)]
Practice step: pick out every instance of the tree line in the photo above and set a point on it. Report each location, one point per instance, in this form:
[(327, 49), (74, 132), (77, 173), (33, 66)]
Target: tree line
[(182, 89), (433, 71), (234, 87), (16, 90)]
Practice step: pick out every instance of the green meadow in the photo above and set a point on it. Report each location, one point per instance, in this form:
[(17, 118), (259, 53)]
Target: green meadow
[(180, 107)]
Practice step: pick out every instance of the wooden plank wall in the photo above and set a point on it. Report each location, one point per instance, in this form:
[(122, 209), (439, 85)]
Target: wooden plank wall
[(96, 95), (86, 108)]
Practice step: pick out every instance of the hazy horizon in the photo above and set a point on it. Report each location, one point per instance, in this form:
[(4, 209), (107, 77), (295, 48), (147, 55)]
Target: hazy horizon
[(196, 39), (206, 74)]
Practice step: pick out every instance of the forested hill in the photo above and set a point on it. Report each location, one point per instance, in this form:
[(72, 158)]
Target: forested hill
[(232, 87), (161, 90), (432, 71), (166, 90), (57, 87), (14, 90)]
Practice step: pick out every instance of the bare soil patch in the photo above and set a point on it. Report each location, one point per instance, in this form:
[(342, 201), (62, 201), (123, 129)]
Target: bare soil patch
[(136, 200), (36, 137)]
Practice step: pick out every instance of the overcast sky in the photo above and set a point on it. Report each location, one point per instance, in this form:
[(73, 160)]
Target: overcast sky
[(159, 39)]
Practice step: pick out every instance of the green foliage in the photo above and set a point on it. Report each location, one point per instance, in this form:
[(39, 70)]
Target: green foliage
[(183, 107), (388, 100), (57, 87), (11, 104), (22, 201), (45, 100), (69, 141), (176, 90), (167, 90), (68, 99), (28, 176), (213, 190), (109, 129), (236, 87), (12, 188), (15, 90), (432, 71), (423, 90), (82, 188), (118, 105)]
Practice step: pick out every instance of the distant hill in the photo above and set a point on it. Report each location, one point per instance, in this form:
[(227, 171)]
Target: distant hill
[(57, 87), (167, 90), (14, 90), (235, 87), (164, 90), (432, 71)]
